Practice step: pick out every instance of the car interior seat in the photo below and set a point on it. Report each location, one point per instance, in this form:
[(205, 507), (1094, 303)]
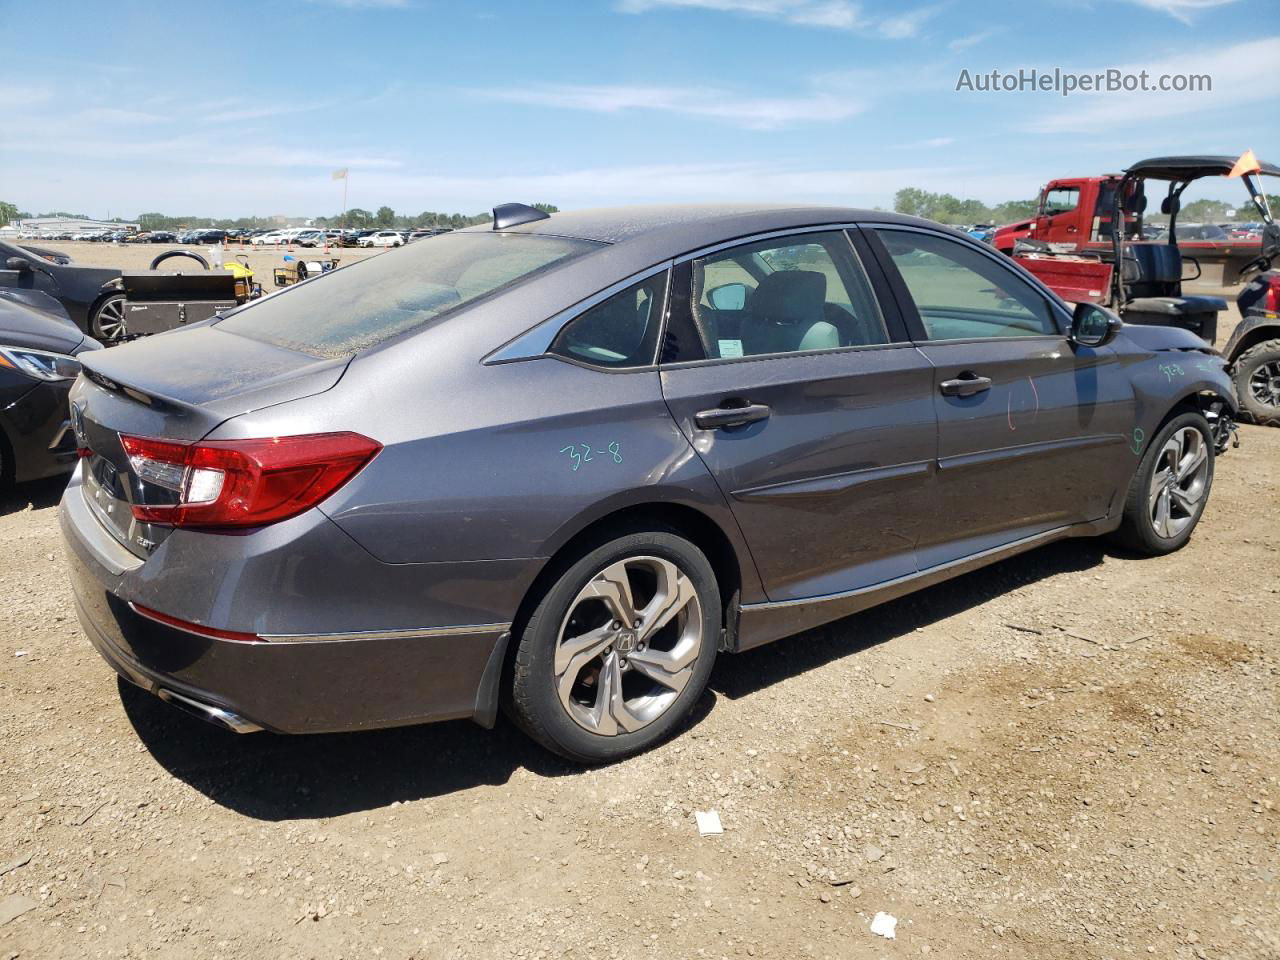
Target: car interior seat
[(788, 312)]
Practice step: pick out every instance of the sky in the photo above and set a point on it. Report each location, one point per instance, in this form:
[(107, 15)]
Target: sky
[(236, 109)]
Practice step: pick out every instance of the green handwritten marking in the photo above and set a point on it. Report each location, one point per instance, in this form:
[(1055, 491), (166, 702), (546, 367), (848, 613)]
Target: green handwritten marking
[(1138, 437), (1170, 369), (580, 453), (572, 451)]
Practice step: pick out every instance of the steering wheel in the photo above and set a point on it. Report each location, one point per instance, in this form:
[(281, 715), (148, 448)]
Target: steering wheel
[(179, 253)]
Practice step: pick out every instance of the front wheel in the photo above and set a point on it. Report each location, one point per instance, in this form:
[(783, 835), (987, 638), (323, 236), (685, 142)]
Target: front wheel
[(619, 648), (1257, 376), (108, 321), (1170, 488)]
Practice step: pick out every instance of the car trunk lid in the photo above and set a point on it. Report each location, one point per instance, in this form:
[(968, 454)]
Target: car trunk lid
[(174, 387)]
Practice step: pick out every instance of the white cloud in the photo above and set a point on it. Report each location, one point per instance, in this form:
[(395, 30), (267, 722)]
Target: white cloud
[(1233, 70), (833, 98), (831, 14), (905, 25), (971, 40), (1182, 10), (116, 115)]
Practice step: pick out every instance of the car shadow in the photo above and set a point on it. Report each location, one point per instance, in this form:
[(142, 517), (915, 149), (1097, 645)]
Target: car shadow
[(752, 671), (274, 778), (36, 494)]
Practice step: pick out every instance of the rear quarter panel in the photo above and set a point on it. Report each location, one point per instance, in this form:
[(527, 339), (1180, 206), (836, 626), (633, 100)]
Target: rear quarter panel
[(497, 462)]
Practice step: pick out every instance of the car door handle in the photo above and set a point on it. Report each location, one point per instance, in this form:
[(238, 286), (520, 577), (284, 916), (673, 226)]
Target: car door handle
[(721, 417), (966, 385)]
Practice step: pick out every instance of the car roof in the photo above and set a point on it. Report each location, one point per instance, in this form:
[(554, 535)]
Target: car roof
[(682, 227)]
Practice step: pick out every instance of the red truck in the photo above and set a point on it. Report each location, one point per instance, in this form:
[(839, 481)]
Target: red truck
[(1087, 242), (1076, 216)]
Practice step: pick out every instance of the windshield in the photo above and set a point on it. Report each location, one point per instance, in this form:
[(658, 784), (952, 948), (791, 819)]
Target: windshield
[(362, 305)]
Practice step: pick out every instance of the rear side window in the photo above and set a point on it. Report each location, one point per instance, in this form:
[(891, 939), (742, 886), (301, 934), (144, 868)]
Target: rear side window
[(619, 332), (360, 306)]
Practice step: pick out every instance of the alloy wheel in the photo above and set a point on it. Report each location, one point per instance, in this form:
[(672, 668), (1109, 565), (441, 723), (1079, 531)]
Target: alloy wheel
[(628, 645), (1178, 483), (110, 321), (1264, 384)]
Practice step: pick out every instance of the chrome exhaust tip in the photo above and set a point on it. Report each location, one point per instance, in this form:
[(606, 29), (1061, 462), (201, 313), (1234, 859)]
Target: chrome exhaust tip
[(208, 713)]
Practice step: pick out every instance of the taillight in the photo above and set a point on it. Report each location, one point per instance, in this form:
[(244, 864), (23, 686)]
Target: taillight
[(1272, 302), (243, 483)]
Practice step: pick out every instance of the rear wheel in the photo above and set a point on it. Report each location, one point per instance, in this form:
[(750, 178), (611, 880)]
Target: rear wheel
[(108, 322), (1257, 376), (619, 649), (1170, 488)]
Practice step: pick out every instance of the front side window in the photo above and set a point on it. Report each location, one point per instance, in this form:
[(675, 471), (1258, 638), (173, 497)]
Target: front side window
[(787, 295), (962, 294), (1061, 200), (619, 332), (362, 305)]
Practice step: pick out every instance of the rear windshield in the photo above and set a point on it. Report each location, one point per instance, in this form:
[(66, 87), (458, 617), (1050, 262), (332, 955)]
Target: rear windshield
[(362, 305)]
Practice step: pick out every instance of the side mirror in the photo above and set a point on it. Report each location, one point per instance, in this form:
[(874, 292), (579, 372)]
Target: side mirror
[(17, 263), (728, 296), (1093, 326)]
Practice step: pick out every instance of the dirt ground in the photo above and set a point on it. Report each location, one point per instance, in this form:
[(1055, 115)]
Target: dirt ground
[(1072, 754)]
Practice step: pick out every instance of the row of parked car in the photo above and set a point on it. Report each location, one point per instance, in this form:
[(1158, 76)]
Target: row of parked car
[(297, 236), (311, 237)]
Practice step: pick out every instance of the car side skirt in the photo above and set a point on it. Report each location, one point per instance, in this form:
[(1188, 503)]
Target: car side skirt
[(761, 623)]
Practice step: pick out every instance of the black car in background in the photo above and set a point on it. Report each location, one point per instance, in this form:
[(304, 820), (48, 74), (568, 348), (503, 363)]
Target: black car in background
[(38, 349), (81, 290), (163, 236)]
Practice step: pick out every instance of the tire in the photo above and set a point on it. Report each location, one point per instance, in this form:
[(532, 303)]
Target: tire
[(1179, 497), (562, 700), (108, 324), (1257, 381)]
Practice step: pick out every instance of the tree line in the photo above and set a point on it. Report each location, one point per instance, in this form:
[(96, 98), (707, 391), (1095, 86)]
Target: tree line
[(944, 208)]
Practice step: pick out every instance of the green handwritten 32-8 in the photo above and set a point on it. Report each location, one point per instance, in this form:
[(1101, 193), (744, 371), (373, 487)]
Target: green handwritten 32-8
[(581, 453)]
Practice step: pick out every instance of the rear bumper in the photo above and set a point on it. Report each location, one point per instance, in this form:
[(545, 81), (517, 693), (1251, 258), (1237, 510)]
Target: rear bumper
[(315, 684)]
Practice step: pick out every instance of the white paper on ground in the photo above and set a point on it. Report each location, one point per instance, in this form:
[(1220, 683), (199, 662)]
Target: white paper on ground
[(884, 925), (708, 823)]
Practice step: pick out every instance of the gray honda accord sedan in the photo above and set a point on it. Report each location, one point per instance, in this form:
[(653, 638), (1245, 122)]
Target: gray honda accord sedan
[(561, 463)]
